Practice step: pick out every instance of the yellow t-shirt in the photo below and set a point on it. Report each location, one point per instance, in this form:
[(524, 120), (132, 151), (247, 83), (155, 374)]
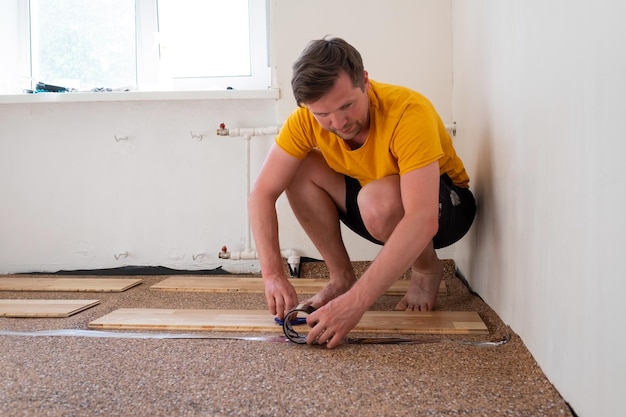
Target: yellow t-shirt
[(406, 133)]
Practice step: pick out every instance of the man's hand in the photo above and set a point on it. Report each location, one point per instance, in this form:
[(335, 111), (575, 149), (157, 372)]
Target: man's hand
[(280, 295), (332, 322)]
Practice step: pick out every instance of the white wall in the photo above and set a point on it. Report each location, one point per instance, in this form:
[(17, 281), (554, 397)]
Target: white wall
[(538, 98), (73, 198), (539, 93)]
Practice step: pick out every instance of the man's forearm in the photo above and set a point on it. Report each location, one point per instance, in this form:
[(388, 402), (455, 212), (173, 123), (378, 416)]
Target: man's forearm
[(396, 256), (264, 224)]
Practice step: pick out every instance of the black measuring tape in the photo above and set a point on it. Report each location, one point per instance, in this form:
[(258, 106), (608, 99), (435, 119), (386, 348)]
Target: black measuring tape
[(291, 318)]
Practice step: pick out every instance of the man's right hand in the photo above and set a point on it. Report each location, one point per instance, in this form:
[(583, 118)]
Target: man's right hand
[(281, 296)]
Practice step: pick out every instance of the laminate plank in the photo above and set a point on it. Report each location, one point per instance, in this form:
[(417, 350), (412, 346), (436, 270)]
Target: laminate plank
[(48, 283), (44, 308), (219, 283), (397, 322)]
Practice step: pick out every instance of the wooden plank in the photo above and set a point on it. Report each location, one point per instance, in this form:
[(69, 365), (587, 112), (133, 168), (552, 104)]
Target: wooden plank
[(391, 322), (44, 308), (47, 283), (225, 283)]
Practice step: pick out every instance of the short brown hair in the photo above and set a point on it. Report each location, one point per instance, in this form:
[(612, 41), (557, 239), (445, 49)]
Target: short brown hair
[(318, 66)]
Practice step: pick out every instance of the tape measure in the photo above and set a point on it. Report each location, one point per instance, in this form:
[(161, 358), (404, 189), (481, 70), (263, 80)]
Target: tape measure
[(294, 317)]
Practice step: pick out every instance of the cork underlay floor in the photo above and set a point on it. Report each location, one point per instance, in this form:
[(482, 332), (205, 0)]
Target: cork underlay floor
[(75, 376)]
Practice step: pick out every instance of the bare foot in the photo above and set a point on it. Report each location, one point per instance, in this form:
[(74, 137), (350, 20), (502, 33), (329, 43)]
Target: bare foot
[(422, 292), (330, 291)]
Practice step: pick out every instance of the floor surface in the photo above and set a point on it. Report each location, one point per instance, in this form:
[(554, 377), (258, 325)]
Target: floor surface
[(86, 376)]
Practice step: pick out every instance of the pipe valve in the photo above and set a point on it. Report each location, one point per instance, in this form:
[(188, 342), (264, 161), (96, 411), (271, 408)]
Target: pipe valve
[(224, 254), (222, 131)]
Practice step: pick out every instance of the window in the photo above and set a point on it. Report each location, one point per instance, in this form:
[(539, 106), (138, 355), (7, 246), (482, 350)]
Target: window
[(153, 44), (86, 42)]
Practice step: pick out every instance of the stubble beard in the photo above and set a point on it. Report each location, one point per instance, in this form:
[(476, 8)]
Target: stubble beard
[(358, 127)]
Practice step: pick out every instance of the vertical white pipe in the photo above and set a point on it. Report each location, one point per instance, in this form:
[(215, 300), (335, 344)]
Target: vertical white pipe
[(248, 245), (293, 258)]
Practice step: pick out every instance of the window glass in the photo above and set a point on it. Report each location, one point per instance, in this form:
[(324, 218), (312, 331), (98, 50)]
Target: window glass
[(87, 42), (154, 44), (204, 38)]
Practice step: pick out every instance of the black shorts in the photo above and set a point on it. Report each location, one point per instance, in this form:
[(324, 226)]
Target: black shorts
[(457, 209)]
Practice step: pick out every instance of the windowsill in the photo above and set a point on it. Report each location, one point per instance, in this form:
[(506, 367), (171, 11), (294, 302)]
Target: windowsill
[(74, 97)]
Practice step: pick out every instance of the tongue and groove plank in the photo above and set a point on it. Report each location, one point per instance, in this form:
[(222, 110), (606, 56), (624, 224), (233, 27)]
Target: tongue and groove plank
[(44, 308), (396, 322), (67, 284), (219, 283)]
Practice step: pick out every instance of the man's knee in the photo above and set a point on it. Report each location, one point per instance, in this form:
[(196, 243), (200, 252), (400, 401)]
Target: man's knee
[(381, 207), (314, 176)]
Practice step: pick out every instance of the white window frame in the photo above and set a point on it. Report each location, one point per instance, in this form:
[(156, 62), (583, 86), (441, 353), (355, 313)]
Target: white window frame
[(148, 56)]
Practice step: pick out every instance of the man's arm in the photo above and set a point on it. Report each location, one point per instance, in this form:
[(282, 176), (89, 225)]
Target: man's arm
[(276, 174), (420, 199)]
